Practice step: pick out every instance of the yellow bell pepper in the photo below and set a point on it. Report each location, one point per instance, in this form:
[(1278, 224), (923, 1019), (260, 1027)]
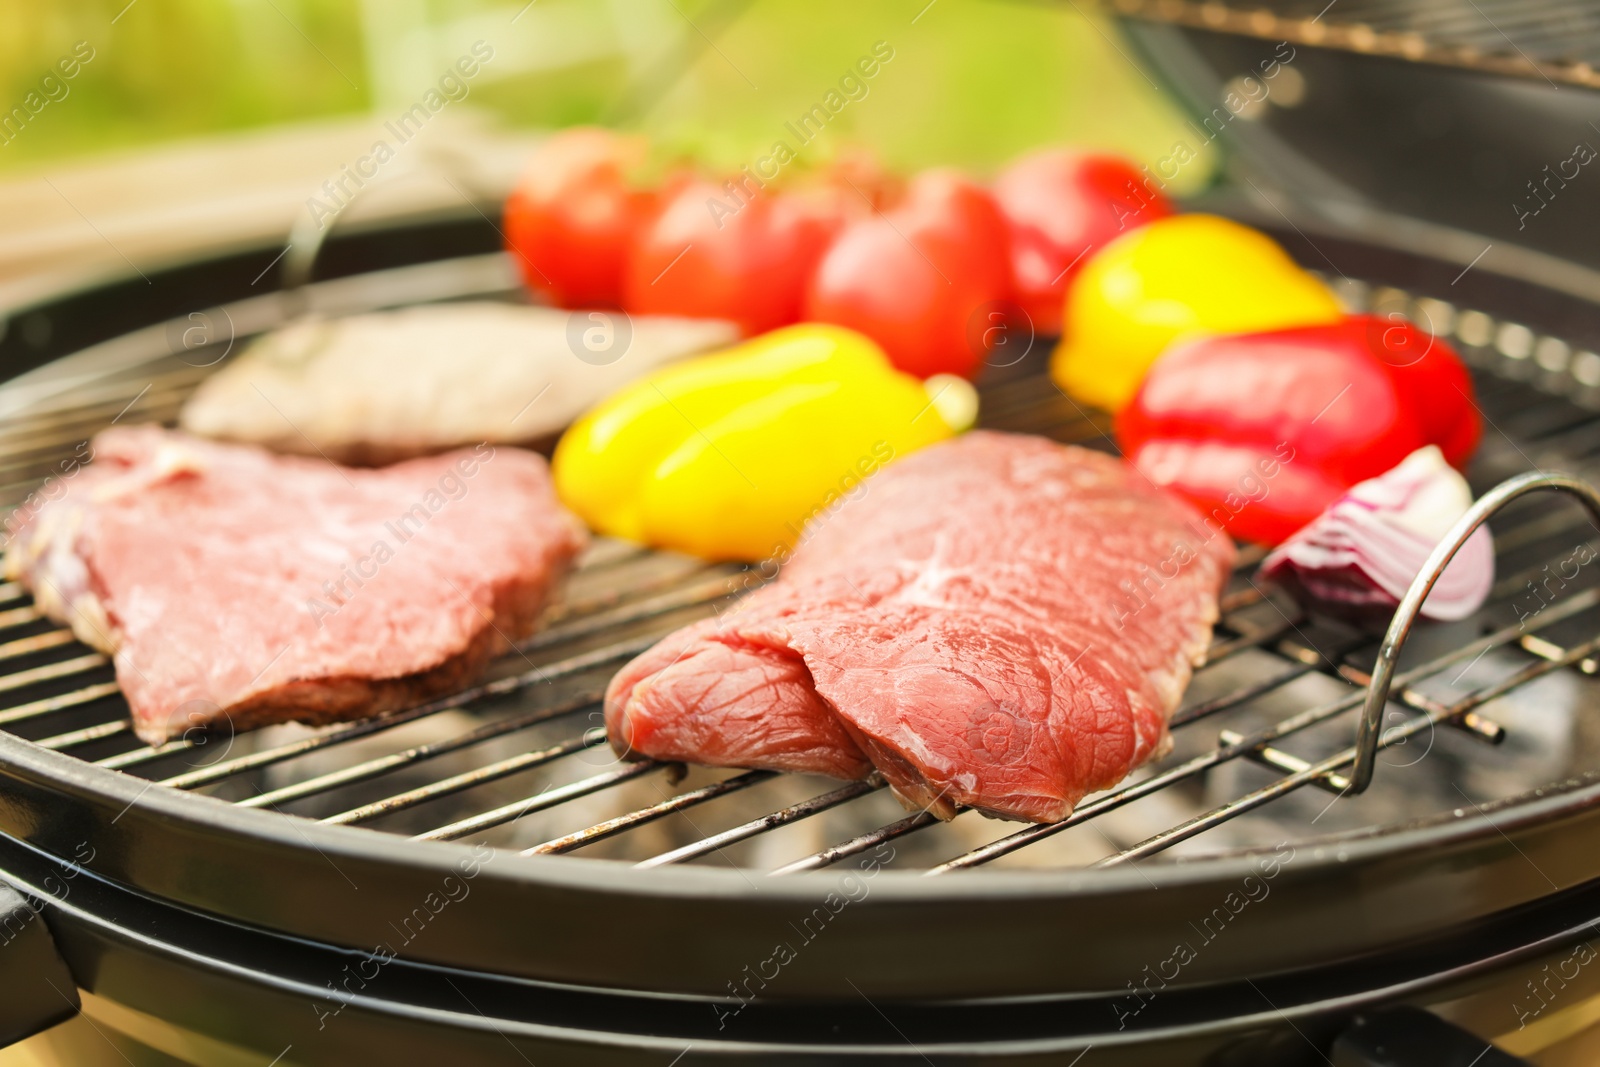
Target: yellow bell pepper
[(727, 456), (1174, 278)]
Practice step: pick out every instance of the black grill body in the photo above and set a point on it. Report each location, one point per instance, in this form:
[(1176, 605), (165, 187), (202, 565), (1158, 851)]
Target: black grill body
[(269, 896)]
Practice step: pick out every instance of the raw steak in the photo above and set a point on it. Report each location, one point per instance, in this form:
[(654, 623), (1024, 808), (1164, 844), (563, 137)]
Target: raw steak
[(233, 585), (390, 385), (998, 622)]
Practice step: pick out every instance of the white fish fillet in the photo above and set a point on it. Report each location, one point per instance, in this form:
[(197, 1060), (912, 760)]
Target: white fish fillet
[(389, 385)]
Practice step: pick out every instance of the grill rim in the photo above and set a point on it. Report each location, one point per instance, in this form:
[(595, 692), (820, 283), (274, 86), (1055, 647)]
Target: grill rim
[(1007, 928), (165, 846), (113, 923)]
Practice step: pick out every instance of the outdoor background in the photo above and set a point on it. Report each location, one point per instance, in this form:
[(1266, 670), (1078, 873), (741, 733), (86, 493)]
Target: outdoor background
[(973, 82)]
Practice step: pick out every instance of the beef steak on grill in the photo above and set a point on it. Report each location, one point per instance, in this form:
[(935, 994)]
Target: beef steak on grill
[(998, 622), (232, 585)]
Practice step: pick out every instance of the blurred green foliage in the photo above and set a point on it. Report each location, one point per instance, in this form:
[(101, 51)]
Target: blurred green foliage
[(174, 68), (972, 82)]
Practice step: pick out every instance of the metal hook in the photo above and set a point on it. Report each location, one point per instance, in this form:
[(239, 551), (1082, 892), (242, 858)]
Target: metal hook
[(309, 235), (1405, 616)]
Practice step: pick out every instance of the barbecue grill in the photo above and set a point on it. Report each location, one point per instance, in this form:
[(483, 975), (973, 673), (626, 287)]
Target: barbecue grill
[(479, 880)]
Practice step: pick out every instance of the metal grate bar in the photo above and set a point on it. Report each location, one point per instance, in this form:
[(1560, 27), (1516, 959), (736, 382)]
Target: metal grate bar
[(41, 452), (703, 592), (1244, 598), (857, 845), (372, 768), (540, 801), (1538, 529), (26, 646), (18, 616), (88, 402), (608, 552), (55, 434), (1550, 650), (491, 772), (146, 754), (218, 771), (1283, 786), (1251, 638), (1469, 722), (1515, 583), (1304, 666), (50, 705), (104, 730), (781, 817), (555, 627), (1248, 556), (611, 827), (51, 671), (1279, 760)]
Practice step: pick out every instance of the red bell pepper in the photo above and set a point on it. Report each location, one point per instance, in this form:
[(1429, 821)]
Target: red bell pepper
[(1263, 431)]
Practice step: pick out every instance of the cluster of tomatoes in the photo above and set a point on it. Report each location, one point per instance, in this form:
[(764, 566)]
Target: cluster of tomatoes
[(912, 262)]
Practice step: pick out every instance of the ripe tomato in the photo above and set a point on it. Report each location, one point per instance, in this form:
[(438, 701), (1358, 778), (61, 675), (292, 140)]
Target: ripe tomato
[(914, 277), (1060, 206), (574, 214), (714, 254), (855, 184)]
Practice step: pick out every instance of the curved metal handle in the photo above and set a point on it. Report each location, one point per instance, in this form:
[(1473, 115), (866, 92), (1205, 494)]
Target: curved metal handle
[(1405, 616), (36, 989), (308, 234)]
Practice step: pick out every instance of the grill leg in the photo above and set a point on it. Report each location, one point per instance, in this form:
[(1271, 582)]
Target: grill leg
[(1411, 1037), (36, 989)]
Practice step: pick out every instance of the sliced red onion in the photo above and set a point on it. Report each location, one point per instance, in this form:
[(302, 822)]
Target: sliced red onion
[(1364, 551)]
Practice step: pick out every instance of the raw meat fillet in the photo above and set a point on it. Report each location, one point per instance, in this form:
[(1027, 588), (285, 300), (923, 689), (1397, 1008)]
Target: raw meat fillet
[(998, 622), (231, 585), (390, 385)]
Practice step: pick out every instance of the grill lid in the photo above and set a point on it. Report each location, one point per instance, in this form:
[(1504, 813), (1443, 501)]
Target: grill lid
[(1475, 115), (1552, 40)]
